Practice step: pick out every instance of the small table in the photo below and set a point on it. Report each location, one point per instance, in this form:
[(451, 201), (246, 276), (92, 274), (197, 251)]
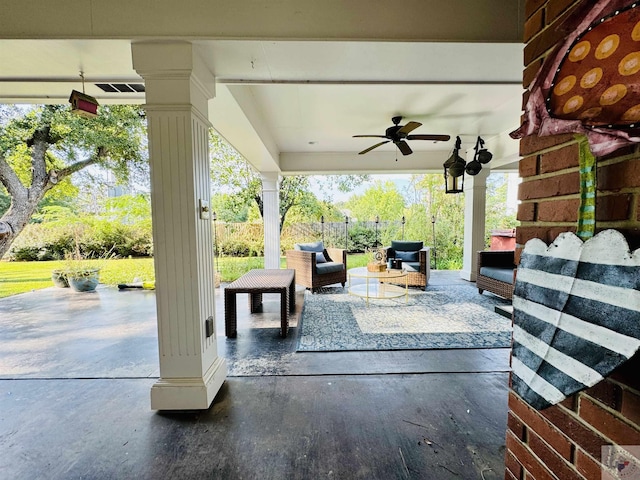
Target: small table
[(255, 283), (379, 289)]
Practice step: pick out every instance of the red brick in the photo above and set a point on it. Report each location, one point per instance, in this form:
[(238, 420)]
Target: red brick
[(631, 406), (531, 6), (517, 254), (540, 425), (587, 466), (563, 184), (516, 426), (533, 25), (528, 167), (509, 476), (540, 45), (579, 433), (571, 403), (559, 466), (533, 143), (608, 424), (529, 75), (555, 160), (528, 461), (613, 207), (556, 8), (619, 175), (527, 212), (627, 373), (559, 210), (607, 393), (638, 209), (546, 234), (512, 465)]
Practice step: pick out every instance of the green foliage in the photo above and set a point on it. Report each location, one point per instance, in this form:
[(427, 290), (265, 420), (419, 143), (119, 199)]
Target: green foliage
[(382, 200), (237, 187), (361, 238), (123, 230)]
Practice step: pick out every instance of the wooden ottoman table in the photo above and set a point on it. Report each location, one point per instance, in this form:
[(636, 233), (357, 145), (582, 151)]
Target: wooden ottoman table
[(255, 283)]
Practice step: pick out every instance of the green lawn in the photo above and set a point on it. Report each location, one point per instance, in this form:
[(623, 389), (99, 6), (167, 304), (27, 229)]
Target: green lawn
[(20, 277)]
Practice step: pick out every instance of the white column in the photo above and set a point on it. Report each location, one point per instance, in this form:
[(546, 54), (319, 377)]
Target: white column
[(178, 87), (475, 199), (271, 218)]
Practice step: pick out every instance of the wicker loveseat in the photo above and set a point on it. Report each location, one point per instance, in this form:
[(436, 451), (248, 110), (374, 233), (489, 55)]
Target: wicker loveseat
[(317, 266), (495, 272), (415, 260)]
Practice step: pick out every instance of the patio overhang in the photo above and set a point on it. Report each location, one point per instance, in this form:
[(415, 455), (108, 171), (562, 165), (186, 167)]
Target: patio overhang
[(288, 84)]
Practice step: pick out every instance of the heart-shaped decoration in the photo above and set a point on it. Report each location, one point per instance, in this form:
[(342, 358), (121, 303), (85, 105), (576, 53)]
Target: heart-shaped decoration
[(576, 314)]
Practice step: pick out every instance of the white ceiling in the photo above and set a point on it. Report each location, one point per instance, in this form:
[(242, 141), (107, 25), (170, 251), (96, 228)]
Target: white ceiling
[(304, 100)]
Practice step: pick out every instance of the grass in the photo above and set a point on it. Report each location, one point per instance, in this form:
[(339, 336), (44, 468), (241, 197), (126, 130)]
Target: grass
[(21, 277)]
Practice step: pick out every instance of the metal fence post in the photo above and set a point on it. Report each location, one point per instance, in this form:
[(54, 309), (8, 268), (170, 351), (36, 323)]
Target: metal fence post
[(346, 233)]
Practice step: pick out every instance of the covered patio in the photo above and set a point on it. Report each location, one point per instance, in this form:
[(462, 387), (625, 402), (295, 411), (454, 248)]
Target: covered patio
[(76, 370), (288, 85)]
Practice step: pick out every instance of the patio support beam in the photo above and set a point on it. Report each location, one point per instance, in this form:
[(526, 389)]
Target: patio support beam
[(271, 218), (178, 88), (475, 200)]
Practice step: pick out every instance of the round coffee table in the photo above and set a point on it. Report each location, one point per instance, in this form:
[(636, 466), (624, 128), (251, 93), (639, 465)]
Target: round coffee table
[(376, 284)]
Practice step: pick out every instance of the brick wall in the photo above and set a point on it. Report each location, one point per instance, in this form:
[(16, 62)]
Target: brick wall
[(564, 441)]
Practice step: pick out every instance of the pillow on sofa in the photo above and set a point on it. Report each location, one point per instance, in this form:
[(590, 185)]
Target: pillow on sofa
[(407, 256), (317, 247)]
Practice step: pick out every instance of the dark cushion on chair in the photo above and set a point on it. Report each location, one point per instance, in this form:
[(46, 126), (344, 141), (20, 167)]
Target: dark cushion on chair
[(329, 267), (317, 247), (500, 274), (407, 256), (406, 246)]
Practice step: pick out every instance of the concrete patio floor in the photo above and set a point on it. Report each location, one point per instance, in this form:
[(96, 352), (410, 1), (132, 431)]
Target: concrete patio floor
[(76, 371)]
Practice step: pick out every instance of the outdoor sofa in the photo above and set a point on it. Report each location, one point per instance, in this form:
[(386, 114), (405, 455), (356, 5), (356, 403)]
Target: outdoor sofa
[(496, 272)]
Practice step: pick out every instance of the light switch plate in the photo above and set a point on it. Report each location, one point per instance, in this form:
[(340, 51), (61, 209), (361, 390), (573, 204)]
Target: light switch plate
[(205, 213)]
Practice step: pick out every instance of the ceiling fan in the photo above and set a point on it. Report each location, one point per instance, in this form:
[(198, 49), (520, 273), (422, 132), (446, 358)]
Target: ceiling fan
[(398, 134)]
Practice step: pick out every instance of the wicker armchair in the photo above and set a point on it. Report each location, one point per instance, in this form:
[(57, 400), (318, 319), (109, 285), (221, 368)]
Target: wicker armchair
[(496, 272), (309, 275), (418, 272)]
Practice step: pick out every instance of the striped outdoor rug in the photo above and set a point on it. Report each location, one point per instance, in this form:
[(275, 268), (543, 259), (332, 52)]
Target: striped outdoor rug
[(576, 314)]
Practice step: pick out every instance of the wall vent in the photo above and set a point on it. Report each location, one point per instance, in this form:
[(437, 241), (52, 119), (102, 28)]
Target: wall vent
[(121, 87)]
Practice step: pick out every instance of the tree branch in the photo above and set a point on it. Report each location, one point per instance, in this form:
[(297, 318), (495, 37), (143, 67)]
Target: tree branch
[(76, 167), (10, 180)]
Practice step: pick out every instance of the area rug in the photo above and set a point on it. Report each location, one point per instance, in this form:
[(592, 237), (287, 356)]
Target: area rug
[(439, 318)]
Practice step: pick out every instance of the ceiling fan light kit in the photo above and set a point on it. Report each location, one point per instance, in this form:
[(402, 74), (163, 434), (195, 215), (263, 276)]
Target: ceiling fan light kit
[(455, 166), (399, 134)]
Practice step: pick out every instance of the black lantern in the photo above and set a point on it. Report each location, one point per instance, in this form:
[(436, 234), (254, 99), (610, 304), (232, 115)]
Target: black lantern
[(455, 167), (454, 170)]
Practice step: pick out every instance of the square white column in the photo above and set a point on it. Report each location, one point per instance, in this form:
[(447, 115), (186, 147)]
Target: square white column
[(271, 218), (475, 201), (178, 87)]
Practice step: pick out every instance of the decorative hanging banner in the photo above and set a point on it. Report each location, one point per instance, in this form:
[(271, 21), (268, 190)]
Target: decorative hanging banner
[(590, 84), (587, 210), (576, 314)]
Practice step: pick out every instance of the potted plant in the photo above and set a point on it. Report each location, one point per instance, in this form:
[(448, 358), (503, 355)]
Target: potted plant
[(59, 278), (82, 275)]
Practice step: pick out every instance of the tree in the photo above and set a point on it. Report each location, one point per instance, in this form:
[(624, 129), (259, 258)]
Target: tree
[(42, 147), (232, 175), (382, 199)]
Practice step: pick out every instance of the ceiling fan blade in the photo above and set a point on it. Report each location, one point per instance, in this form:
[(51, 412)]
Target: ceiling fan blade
[(404, 148), (374, 146), (409, 127), (370, 136), (438, 138)]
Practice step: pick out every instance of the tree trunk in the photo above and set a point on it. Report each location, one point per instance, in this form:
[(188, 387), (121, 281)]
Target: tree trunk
[(14, 220)]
